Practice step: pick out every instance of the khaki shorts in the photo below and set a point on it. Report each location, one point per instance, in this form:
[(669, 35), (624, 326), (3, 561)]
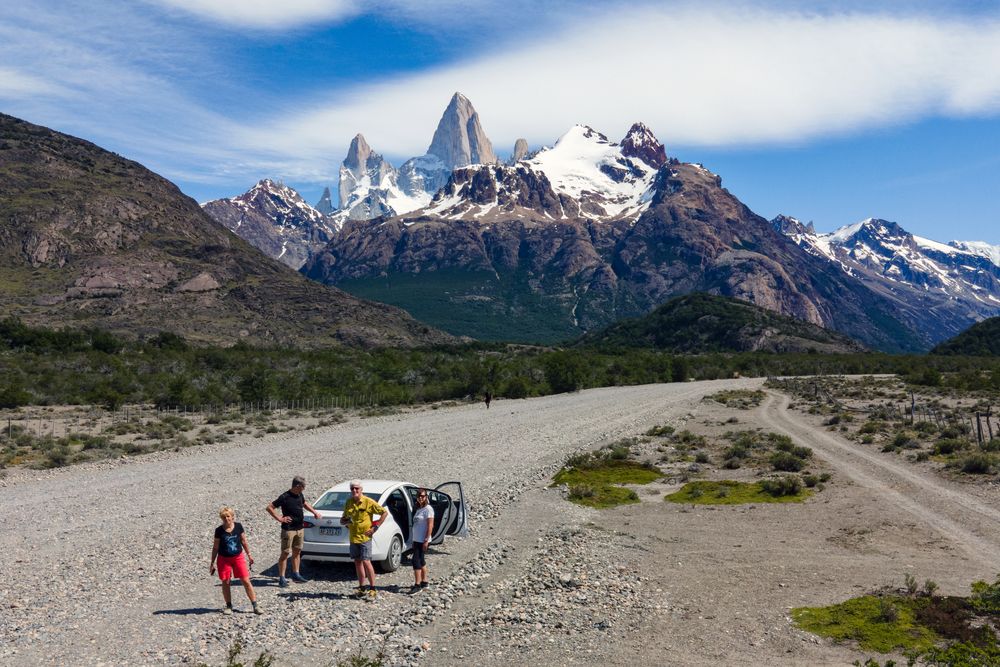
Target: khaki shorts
[(292, 539)]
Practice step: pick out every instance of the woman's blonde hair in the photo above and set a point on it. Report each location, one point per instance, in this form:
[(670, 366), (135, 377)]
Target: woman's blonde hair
[(226, 511)]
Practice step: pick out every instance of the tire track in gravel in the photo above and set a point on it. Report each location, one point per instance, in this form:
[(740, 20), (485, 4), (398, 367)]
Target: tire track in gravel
[(136, 534), (953, 513)]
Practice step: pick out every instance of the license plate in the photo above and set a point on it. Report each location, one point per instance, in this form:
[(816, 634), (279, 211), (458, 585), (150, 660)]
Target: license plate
[(333, 530)]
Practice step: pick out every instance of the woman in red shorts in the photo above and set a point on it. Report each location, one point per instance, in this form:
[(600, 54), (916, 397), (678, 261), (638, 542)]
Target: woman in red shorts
[(233, 552)]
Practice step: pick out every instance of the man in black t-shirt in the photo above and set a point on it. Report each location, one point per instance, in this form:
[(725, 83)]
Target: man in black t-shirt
[(291, 503)]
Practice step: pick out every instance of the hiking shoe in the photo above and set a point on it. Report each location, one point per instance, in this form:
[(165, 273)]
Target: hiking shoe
[(283, 582), (298, 577), (360, 592), (424, 584), (257, 610), (415, 588), (227, 611), (371, 594)]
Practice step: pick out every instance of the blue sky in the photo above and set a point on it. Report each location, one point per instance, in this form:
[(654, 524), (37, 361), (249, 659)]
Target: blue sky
[(830, 112)]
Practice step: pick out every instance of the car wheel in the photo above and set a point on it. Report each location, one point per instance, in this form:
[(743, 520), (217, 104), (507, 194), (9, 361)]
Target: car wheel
[(394, 557)]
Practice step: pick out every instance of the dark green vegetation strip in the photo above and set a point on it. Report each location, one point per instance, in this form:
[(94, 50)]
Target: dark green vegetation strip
[(707, 323), (982, 338), (728, 492), (47, 367), (930, 629)]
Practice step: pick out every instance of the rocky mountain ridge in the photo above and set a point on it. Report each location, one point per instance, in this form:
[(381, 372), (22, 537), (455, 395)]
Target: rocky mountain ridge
[(960, 282), (570, 237), (275, 219), (583, 234)]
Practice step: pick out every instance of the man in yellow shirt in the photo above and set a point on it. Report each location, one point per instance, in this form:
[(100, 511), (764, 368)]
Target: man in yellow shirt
[(358, 513)]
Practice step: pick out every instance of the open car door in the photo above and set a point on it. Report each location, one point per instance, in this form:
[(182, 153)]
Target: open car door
[(457, 523), (444, 509)]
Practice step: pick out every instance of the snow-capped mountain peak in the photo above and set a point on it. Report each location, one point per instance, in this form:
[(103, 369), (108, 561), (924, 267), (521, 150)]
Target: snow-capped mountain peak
[(587, 166), (882, 250), (640, 142), (979, 248), (274, 218), (280, 202)]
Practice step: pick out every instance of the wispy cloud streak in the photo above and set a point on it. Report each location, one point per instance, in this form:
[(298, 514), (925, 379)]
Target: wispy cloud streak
[(697, 77)]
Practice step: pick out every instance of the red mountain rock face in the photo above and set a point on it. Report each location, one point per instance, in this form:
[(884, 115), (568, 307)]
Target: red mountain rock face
[(88, 238)]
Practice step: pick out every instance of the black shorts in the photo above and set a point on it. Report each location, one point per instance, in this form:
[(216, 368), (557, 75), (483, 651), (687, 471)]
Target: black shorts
[(417, 556)]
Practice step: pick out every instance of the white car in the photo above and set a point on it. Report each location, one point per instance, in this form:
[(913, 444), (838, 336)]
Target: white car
[(327, 540)]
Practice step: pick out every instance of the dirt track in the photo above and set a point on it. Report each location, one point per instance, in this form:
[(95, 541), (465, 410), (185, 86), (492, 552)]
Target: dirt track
[(108, 562)]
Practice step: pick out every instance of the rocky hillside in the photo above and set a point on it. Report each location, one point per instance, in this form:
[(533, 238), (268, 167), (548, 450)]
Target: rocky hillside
[(586, 233), (700, 323), (275, 219), (89, 238)]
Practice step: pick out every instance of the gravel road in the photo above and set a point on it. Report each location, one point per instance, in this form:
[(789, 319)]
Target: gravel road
[(952, 510), (107, 563)]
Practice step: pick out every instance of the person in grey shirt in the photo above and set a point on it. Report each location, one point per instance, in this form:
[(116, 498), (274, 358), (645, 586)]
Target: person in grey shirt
[(423, 529)]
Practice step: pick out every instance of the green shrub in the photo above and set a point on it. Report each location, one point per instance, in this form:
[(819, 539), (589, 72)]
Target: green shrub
[(662, 430), (786, 462), (977, 464), (985, 597), (786, 485), (902, 439), (949, 446), (870, 427)]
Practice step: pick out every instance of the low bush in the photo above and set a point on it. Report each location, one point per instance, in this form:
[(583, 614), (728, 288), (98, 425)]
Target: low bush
[(977, 464), (949, 446), (786, 462), (985, 597), (786, 485), (870, 427)]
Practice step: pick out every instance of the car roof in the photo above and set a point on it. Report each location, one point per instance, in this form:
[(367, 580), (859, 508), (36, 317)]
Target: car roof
[(378, 486)]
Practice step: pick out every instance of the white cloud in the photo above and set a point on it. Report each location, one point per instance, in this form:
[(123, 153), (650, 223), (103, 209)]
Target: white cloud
[(266, 14), (16, 83), (698, 77)]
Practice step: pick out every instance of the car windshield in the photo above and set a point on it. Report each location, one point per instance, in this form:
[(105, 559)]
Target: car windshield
[(334, 501)]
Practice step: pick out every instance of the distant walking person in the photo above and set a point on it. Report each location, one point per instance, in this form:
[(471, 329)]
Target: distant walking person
[(291, 503), (423, 529), (358, 512), (487, 399), (231, 551)]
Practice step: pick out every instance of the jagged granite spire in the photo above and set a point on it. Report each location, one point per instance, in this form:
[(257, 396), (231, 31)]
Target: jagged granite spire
[(520, 150), (363, 170), (459, 139), (640, 142), (325, 203)]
